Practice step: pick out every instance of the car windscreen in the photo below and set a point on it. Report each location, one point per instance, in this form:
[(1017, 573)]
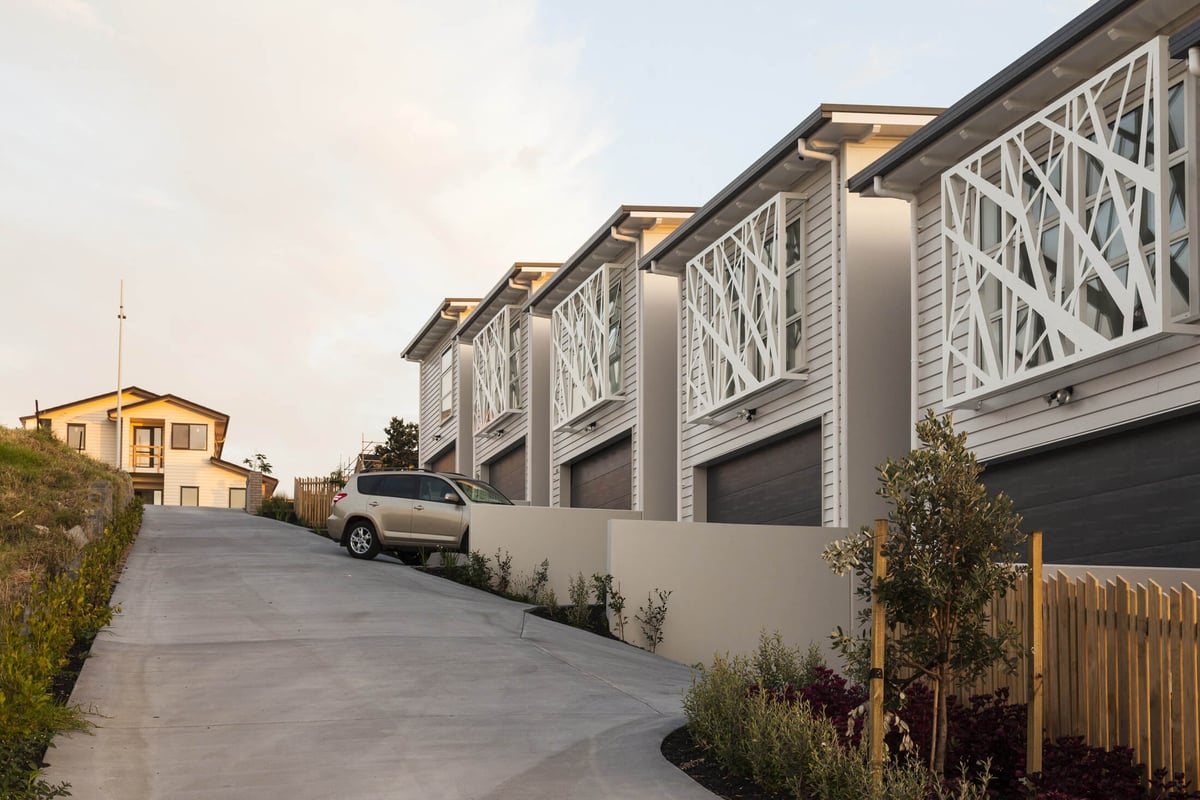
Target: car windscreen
[(480, 492)]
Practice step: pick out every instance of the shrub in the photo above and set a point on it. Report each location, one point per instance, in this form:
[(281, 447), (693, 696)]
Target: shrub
[(579, 613), (478, 572), (503, 572), (653, 616)]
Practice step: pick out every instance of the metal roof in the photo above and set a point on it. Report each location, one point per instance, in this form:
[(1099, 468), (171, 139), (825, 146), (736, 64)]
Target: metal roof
[(443, 323), (513, 289)]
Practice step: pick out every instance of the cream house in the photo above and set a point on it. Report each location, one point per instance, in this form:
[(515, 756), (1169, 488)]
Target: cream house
[(612, 376), (792, 300), (446, 437), (1058, 309), (170, 446), (510, 400)]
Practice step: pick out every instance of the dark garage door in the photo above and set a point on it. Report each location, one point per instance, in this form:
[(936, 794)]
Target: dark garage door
[(778, 483), (444, 462), (605, 478), (507, 473), (1129, 498)]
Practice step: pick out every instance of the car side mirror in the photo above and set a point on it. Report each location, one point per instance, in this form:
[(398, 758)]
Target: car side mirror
[(451, 497)]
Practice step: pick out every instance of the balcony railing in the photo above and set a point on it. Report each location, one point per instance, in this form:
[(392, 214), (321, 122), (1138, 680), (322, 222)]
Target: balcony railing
[(146, 458)]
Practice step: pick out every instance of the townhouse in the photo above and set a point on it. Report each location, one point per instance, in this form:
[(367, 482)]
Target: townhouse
[(612, 379), (792, 301), (444, 441), (1058, 300), (510, 400)]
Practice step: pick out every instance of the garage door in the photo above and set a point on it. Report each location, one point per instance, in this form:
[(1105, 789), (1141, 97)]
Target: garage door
[(1129, 498), (778, 483), (605, 478), (444, 462), (507, 473)]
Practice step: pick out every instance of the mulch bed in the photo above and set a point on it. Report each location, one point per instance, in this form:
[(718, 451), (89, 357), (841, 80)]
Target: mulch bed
[(680, 750)]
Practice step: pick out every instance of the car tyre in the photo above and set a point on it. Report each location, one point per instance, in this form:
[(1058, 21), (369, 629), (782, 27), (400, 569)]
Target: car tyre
[(361, 541)]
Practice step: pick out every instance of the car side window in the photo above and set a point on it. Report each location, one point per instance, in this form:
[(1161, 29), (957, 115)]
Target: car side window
[(404, 486), (369, 484), (434, 489)]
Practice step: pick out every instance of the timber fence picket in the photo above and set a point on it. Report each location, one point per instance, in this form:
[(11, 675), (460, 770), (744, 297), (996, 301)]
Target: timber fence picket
[(1122, 667), (313, 498)]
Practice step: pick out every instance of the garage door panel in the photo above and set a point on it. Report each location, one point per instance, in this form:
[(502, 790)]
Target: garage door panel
[(605, 478), (445, 462), (507, 473), (1132, 497), (776, 484)]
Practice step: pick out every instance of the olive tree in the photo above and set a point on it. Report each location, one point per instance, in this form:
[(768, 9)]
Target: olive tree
[(951, 548)]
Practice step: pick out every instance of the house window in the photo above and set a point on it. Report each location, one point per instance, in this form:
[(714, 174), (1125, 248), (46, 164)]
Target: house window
[(744, 308), (237, 497), (44, 424), (496, 355), (447, 382), (76, 436), (588, 340), (1053, 235), (189, 495), (185, 436)]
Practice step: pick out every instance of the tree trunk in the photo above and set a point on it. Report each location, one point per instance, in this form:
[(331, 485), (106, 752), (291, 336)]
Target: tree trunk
[(939, 745)]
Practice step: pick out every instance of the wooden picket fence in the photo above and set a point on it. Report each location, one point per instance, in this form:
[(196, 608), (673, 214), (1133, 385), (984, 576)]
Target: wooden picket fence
[(313, 498), (1121, 666)]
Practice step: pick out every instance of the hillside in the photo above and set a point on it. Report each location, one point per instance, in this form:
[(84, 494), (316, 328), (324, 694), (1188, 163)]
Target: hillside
[(46, 490)]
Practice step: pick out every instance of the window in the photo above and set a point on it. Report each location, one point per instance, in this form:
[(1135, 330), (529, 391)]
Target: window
[(76, 436), (588, 340), (237, 497), (404, 486), (43, 424), (1054, 235), (447, 382), (434, 489), (185, 436), (744, 307), (496, 355), (189, 495)]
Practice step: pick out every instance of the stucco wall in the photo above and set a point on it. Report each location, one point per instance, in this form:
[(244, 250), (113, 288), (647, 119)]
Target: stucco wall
[(575, 540), (727, 583)]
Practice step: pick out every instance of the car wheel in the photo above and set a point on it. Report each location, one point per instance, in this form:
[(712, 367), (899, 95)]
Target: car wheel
[(361, 541), (464, 545)]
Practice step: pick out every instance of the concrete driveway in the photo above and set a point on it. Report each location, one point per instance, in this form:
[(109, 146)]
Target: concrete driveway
[(253, 659)]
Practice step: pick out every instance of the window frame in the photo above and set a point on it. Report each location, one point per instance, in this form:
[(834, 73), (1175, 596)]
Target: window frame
[(191, 429), (446, 382), (81, 428), (195, 489), (588, 336), (721, 374), (241, 489)]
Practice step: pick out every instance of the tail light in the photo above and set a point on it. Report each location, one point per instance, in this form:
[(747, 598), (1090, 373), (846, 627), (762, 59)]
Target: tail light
[(337, 497)]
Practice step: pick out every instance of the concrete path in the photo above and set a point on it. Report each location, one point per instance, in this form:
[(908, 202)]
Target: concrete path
[(253, 659)]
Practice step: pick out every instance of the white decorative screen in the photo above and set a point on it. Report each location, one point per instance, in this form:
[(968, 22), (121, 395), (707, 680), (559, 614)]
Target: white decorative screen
[(744, 308), (497, 359), (587, 337), (1052, 235)]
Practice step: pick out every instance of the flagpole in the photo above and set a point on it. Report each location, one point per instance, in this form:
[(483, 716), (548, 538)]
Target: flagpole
[(120, 344)]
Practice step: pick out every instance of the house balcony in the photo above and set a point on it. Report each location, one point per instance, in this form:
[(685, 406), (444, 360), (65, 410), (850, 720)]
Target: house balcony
[(146, 459)]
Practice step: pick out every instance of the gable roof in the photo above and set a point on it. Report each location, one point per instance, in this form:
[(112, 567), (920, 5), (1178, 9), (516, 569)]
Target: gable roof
[(515, 287), (602, 246), (220, 420), (780, 166), (269, 482), (1093, 39), (443, 322), (113, 394)]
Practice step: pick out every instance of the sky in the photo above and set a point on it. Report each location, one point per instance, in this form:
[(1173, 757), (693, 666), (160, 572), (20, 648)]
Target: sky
[(288, 188)]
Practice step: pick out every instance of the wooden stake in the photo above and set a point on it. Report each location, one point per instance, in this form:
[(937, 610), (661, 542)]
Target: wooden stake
[(1037, 656), (878, 644)]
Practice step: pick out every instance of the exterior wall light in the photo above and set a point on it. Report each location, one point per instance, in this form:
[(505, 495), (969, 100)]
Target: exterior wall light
[(1060, 397), (747, 414)]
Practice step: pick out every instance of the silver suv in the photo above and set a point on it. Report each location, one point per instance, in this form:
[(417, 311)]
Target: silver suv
[(402, 512)]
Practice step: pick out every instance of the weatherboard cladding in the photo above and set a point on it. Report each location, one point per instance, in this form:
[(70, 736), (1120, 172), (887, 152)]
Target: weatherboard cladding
[(1143, 381), (792, 404), (431, 401), (619, 416)]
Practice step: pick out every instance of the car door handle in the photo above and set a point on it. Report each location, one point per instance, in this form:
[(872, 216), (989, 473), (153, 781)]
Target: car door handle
[(373, 503), (418, 507)]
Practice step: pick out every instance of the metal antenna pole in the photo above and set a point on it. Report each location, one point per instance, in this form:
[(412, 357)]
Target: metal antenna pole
[(120, 344)]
